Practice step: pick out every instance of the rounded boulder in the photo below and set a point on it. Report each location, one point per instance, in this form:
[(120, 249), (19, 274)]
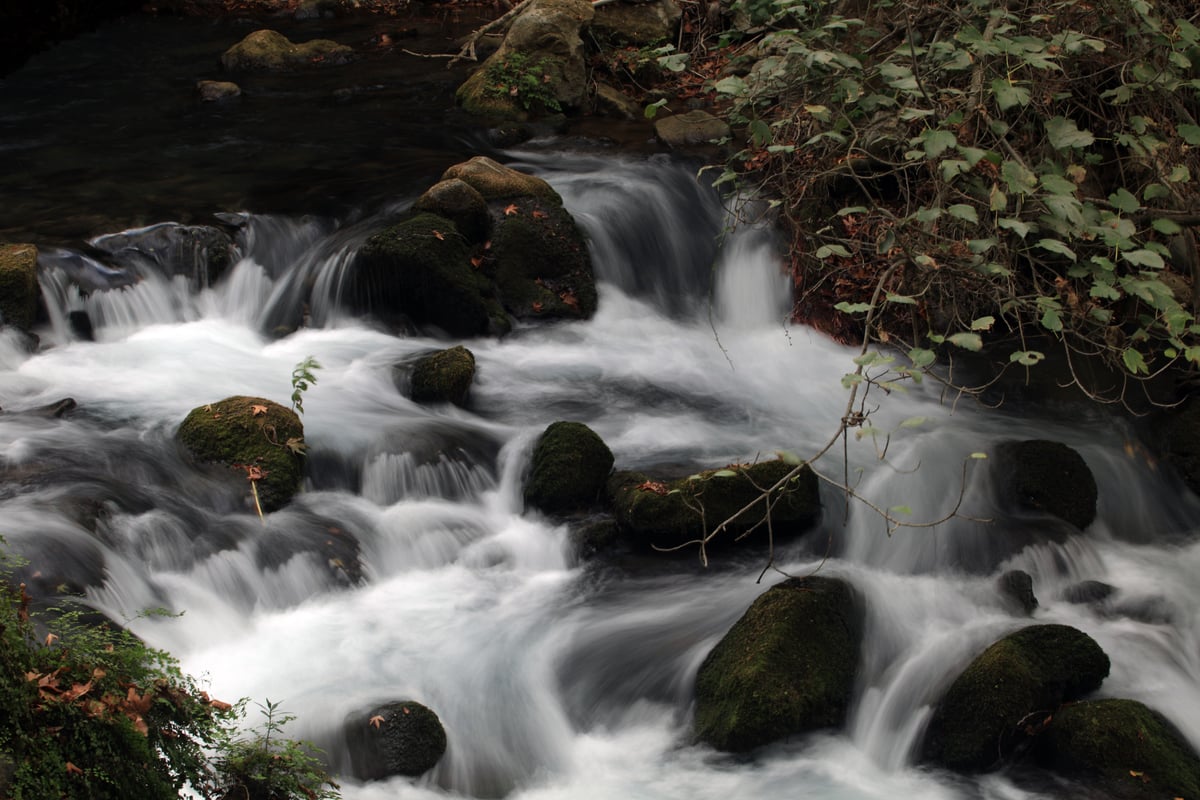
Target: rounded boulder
[(399, 738), (444, 376), (1047, 476), (569, 467)]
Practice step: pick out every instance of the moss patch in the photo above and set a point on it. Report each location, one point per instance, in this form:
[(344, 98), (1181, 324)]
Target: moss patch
[(656, 513), (244, 432), (272, 51), (1033, 671), (786, 667), (543, 268), (18, 285), (1122, 748), (444, 376), (569, 467)]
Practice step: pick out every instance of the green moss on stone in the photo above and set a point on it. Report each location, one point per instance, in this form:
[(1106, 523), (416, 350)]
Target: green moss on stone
[(272, 51), (569, 467), (542, 265), (444, 376), (1122, 748), (1036, 669), (785, 668), (657, 513), (401, 738), (244, 432), (1050, 477), (18, 285)]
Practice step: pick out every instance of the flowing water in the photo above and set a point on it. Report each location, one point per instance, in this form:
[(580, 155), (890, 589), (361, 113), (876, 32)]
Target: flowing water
[(555, 677)]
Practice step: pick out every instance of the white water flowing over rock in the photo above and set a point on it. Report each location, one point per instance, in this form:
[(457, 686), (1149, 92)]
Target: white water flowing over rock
[(555, 681)]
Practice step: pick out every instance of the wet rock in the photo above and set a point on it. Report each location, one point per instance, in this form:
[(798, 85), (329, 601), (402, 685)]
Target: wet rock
[(18, 285), (248, 434), (495, 181), (653, 512), (691, 129), (569, 466), (542, 266), (212, 91), (611, 102), (444, 376), (461, 203), (1088, 592), (594, 537), (786, 667), (201, 253), (1178, 437), (542, 56), (399, 738), (1049, 477), (626, 24), (80, 323), (267, 50), (1016, 587), (1120, 749), (1018, 681)]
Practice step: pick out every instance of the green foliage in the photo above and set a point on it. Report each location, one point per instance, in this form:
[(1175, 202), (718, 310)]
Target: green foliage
[(1029, 166), (523, 79), (302, 376), (268, 766)]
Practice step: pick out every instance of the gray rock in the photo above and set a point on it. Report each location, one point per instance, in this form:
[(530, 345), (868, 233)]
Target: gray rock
[(690, 129), (212, 91)]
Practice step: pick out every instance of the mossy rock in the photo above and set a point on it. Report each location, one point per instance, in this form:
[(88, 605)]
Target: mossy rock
[(1016, 589), (542, 265), (18, 285), (1050, 477), (250, 432), (1121, 748), (977, 724), (637, 24), (444, 376), (659, 513), (400, 738), (267, 50), (420, 268), (569, 467), (458, 201), (495, 181), (785, 668)]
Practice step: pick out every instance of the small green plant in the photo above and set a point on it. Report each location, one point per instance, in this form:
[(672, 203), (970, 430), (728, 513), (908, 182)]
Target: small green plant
[(269, 766), (525, 80), (302, 377)]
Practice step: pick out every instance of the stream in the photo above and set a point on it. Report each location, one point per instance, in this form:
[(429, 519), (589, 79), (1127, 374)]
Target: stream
[(556, 677)]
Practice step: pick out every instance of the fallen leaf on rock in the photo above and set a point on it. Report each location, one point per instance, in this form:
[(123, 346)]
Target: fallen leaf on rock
[(539, 214), (537, 307), (257, 411), (510, 209), (376, 720), (441, 237)]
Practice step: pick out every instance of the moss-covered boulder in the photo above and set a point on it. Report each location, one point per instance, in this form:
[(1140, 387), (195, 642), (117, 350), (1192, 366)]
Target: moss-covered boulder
[(399, 738), (569, 467), (983, 716), (542, 266), (495, 181), (786, 667), (252, 436), (444, 376), (1047, 476), (654, 512), (1120, 749), (18, 285), (267, 50), (539, 68), (461, 203), (421, 269), (637, 24)]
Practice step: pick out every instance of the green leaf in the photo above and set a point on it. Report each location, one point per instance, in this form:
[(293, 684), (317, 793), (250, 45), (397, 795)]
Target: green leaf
[(920, 357), (652, 109), (1057, 184), (1064, 134), (1155, 191), (997, 200), (978, 456), (967, 341), (848, 210), (936, 141), (853, 308), (1180, 174), (953, 167), (1026, 358), (1055, 246), (851, 379), (1051, 321), (1009, 95), (788, 457), (760, 133), (723, 473), (972, 154), (828, 250), (1167, 227), (903, 510), (901, 298), (1144, 258), (732, 85), (981, 246), (1105, 290), (1015, 225), (983, 323), (964, 212), (913, 422), (1018, 178), (1134, 362), (1190, 134), (1122, 200)]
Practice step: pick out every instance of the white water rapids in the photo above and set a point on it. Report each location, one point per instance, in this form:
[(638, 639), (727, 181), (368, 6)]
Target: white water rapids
[(557, 680)]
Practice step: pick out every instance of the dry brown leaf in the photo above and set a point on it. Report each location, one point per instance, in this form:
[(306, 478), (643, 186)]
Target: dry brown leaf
[(375, 721), (257, 411), (510, 209)]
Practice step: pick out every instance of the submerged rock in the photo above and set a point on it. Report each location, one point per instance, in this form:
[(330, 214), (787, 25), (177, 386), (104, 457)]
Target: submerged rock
[(664, 514), (1088, 592), (251, 435), (569, 467), (399, 738), (212, 91), (1179, 439), (1016, 587), (1120, 749), (786, 667), (1014, 684), (18, 285), (444, 376), (1049, 477), (267, 50)]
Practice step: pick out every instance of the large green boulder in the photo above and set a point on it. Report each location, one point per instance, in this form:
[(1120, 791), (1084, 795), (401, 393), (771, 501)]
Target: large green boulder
[(255, 437), (983, 716), (542, 266), (399, 738), (658, 513), (460, 202), (444, 376), (18, 285), (1046, 476), (267, 50), (1122, 749), (421, 269), (785, 668), (569, 467)]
